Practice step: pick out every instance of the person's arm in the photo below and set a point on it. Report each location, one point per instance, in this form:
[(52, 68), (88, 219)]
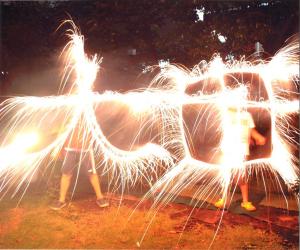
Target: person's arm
[(254, 134), (259, 139)]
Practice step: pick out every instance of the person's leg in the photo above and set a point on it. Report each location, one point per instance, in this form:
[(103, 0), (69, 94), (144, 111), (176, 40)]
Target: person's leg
[(65, 181), (64, 186), (243, 184), (89, 163), (225, 188), (244, 191), (67, 172), (94, 180)]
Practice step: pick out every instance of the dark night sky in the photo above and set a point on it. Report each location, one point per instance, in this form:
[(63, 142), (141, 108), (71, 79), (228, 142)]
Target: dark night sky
[(157, 29)]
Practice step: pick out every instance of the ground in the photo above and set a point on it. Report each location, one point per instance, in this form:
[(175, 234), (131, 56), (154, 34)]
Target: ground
[(31, 224), (31, 46)]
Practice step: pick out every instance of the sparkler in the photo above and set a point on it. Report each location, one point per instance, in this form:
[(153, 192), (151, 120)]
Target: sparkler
[(163, 102), (63, 114), (278, 77)]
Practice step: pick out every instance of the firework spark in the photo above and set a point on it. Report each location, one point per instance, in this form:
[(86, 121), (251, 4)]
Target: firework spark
[(215, 95), (61, 115), (278, 76), (163, 104)]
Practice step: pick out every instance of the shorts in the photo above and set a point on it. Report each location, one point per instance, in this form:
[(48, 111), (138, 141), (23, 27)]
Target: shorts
[(78, 160)]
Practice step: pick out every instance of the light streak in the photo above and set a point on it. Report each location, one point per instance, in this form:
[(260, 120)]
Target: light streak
[(63, 113), (216, 178), (161, 103), (281, 103)]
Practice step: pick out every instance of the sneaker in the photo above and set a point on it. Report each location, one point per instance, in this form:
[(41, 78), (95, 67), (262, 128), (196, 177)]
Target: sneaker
[(219, 203), (248, 206), (57, 205), (102, 203)]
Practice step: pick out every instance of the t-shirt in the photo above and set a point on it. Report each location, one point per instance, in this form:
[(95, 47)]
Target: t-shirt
[(237, 133)]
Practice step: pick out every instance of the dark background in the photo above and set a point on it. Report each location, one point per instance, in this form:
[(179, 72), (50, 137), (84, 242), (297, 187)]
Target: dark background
[(157, 29)]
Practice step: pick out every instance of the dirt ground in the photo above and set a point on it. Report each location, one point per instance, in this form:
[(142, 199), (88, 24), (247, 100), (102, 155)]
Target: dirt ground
[(123, 225)]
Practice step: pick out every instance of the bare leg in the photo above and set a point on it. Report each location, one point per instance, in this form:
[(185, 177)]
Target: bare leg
[(64, 186), (94, 179), (244, 190)]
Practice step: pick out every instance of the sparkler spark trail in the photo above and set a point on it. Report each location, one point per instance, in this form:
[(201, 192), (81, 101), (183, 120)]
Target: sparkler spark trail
[(279, 77), (279, 105), (63, 113), (169, 97), (162, 103)]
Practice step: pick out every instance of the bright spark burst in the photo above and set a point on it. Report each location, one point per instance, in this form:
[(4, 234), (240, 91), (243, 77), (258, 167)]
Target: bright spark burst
[(163, 102), (215, 97), (278, 75), (61, 114)]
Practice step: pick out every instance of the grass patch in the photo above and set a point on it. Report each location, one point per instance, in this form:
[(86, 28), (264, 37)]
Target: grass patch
[(84, 225)]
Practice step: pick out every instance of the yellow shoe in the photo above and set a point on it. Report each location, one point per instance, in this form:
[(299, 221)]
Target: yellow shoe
[(248, 206), (219, 203)]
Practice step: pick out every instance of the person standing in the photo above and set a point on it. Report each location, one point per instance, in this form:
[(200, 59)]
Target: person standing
[(78, 153), (239, 131)]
